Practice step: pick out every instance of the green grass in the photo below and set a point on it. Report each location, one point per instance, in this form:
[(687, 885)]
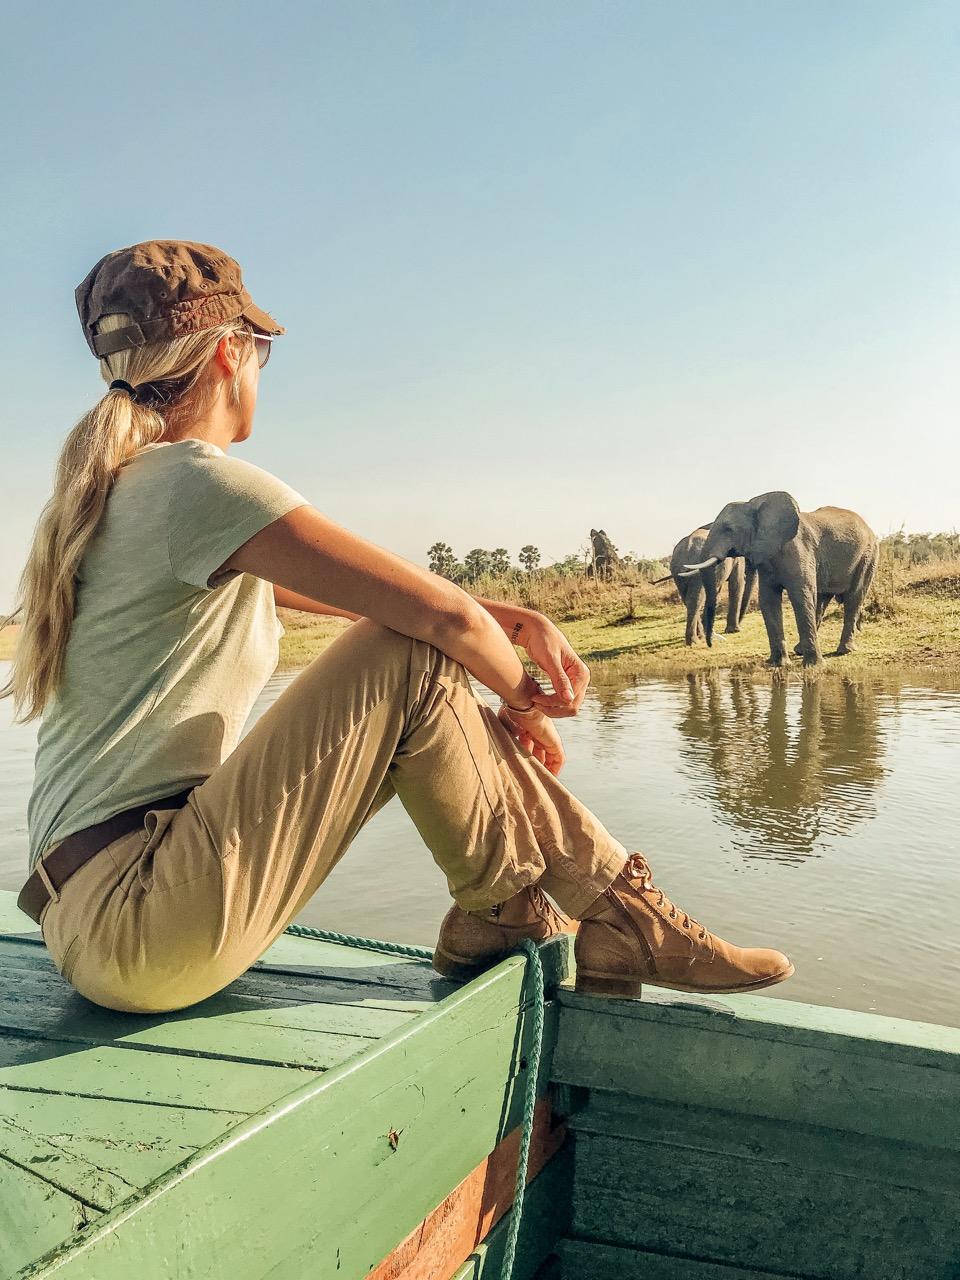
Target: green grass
[(924, 633), (626, 630)]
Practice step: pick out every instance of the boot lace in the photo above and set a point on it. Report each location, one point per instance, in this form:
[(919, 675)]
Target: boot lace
[(638, 868), (547, 910)]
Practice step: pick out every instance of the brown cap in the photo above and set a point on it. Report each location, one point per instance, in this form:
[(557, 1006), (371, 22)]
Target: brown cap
[(170, 288)]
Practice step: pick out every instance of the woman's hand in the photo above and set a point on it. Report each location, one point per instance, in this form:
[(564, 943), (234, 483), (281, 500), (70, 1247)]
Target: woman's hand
[(534, 731), (550, 649)]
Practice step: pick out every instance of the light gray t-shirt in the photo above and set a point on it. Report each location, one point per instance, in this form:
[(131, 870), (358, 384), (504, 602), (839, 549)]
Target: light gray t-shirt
[(162, 666)]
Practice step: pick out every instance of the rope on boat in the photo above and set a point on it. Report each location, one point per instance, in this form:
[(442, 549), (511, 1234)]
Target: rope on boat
[(535, 971)]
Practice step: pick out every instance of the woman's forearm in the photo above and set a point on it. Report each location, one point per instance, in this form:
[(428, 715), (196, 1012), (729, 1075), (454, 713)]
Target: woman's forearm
[(482, 647), (511, 618)]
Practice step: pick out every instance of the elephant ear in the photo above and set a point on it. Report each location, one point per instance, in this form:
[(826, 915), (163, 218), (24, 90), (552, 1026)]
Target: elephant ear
[(776, 519)]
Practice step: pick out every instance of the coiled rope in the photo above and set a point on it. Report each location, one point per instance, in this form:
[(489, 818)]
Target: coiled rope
[(534, 971)]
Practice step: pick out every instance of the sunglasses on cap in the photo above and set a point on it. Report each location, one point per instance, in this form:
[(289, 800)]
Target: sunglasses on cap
[(263, 345)]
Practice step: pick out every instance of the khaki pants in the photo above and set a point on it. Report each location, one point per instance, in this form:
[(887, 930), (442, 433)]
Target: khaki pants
[(171, 913)]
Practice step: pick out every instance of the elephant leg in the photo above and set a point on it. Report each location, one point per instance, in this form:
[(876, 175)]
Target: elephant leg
[(771, 606), (734, 596), (851, 608), (694, 602), (854, 599), (749, 582), (822, 603), (711, 587), (804, 601)]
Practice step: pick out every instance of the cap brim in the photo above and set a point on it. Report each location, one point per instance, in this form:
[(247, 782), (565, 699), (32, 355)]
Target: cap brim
[(261, 321)]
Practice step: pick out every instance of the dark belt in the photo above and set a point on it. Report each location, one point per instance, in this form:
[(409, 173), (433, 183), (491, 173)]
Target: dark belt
[(79, 847)]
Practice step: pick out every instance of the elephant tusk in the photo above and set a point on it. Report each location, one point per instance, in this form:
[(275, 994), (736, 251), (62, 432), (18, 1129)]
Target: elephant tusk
[(707, 564), (659, 581), (687, 573)]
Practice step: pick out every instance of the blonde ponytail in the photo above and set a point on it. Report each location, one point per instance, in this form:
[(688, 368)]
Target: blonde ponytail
[(90, 460)]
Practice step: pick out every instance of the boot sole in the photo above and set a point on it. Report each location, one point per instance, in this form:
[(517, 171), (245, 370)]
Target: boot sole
[(618, 987), (459, 970)]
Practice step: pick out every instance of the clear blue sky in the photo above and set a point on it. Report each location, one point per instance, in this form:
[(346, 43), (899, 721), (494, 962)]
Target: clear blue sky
[(543, 265)]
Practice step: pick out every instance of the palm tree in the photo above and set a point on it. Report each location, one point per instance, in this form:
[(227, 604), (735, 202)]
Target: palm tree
[(499, 561), (530, 557), (475, 563), (442, 559)]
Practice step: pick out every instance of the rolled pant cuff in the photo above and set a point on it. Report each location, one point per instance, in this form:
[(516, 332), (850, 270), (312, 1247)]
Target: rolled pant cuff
[(507, 886), (572, 888)]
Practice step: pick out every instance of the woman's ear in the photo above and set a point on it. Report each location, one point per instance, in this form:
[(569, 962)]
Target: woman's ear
[(229, 353), (776, 519)]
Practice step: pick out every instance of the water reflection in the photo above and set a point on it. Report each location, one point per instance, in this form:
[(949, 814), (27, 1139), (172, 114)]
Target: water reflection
[(787, 764)]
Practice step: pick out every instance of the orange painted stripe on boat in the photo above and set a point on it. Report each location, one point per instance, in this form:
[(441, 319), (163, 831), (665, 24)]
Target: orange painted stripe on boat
[(448, 1235)]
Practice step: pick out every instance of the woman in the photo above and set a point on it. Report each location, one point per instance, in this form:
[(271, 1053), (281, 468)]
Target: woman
[(164, 857)]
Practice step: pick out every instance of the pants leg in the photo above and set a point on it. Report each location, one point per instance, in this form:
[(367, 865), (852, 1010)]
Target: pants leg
[(376, 714)]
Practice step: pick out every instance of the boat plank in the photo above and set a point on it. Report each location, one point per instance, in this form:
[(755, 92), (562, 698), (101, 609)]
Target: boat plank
[(215, 1028), (104, 1071), (34, 1216), (13, 921), (135, 1141), (887, 1166), (675, 1052), (589, 1261), (447, 1087), (763, 1017), (42, 986), (70, 1172), (759, 1212)]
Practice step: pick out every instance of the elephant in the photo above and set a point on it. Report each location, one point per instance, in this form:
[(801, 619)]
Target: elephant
[(605, 559), (703, 587), (814, 556)]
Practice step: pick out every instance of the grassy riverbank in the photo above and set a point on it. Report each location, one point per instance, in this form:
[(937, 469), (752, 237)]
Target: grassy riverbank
[(625, 631)]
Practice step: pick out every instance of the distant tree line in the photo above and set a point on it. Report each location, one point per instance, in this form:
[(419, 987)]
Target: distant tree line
[(921, 548), (480, 563)]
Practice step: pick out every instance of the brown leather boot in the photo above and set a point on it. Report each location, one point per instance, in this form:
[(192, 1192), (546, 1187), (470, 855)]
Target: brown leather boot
[(470, 942), (633, 934)]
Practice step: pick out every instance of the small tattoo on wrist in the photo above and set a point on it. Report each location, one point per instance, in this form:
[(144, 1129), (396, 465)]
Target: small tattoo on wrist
[(515, 633)]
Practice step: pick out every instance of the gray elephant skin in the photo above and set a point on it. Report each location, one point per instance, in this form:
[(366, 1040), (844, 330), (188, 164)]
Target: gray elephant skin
[(699, 591), (815, 556)]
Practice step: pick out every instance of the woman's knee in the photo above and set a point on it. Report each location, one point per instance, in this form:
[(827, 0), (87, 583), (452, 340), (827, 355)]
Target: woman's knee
[(372, 645)]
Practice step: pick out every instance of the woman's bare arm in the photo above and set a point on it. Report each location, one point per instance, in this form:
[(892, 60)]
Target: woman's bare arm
[(305, 553), (290, 600)]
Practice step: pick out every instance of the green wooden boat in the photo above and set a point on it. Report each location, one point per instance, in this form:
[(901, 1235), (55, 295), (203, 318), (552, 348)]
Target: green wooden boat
[(339, 1113)]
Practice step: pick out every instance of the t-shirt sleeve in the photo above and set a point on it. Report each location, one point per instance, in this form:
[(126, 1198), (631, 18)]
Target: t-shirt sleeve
[(217, 503)]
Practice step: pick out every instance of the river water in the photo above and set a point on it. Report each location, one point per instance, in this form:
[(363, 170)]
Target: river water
[(819, 818)]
